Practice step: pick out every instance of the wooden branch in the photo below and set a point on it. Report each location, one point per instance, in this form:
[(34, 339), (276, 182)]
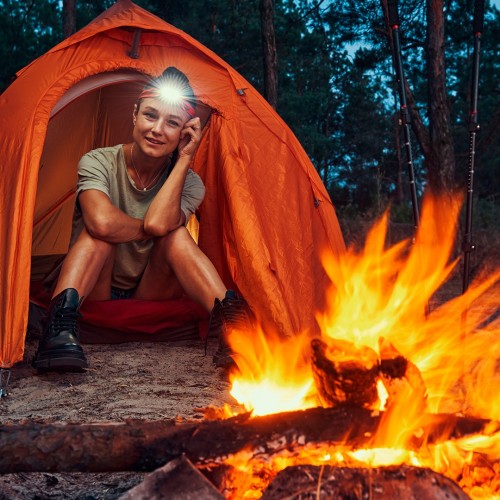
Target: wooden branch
[(147, 445)]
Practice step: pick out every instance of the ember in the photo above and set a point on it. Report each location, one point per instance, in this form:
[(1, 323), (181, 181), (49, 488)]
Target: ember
[(384, 346)]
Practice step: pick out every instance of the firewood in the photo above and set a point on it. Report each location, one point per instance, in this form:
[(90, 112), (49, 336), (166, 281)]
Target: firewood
[(401, 377), (146, 445), (177, 480), (407, 482), (344, 374)]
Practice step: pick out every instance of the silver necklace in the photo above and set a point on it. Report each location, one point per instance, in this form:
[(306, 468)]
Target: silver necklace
[(144, 187)]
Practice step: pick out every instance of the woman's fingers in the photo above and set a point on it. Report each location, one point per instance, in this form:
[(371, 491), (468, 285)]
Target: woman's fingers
[(190, 136)]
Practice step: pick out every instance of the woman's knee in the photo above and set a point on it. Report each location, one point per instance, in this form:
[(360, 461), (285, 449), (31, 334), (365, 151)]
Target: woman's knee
[(94, 245), (91, 252), (175, 239), (177, 243)]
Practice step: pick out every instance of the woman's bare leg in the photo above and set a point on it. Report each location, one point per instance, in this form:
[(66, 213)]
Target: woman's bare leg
[(87, 268), (177, 264)]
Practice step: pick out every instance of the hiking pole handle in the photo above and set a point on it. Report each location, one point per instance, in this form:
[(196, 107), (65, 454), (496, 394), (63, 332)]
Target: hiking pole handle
[(477, 31), (392, 11), (474, 127), (477, 23)]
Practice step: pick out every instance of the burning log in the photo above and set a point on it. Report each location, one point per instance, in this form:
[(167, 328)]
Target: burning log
[(401, 377), (145, 445), (346, 374), (344, 482)]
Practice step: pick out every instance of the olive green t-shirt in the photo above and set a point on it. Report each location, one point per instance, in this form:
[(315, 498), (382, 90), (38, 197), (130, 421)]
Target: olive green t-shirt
[(105, 169)]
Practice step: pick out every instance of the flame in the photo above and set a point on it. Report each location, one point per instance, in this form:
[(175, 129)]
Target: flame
[(273, 376), (383, 299), (383, 296), (251, 472)]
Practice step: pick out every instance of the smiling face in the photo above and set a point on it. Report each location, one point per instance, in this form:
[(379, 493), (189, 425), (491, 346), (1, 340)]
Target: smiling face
[(157, 127)]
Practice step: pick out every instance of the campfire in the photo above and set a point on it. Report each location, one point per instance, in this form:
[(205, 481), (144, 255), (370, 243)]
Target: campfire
[(388, 348), (398, 397)]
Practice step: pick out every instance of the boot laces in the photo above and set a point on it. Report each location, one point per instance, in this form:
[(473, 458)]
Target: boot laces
[(234, 313), (228, 313), (66, 320)]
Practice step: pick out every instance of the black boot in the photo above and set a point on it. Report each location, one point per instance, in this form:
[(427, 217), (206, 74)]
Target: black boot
[(230, 313), (59, 349)]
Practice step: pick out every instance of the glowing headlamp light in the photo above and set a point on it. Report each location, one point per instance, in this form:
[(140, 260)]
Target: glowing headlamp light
[(171, 94)]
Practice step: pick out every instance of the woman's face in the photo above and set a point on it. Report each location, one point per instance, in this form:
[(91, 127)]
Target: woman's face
[(158, 126)]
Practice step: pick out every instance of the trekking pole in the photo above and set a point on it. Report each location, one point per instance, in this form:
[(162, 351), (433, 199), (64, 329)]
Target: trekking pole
[(468, 245), (392, 7)]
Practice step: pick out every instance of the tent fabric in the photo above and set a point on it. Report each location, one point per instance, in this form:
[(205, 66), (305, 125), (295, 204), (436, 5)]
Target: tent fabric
[(266, 218)]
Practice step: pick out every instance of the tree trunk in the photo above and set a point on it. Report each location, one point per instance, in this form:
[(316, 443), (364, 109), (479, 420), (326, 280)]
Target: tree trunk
[(269, 51), (441, 162), (69, 17)]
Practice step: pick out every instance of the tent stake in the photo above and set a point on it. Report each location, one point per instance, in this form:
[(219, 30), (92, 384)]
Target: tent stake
[(4, 381)]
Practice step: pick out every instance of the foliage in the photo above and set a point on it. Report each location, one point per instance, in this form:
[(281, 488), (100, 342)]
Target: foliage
[(230, 28), (27, 29)]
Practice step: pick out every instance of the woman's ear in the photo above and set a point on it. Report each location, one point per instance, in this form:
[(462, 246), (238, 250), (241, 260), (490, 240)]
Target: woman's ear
[(134, 114)]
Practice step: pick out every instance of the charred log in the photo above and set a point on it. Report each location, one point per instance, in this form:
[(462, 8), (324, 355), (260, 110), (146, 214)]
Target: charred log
[(145, 445), (401, 377), (344, 374), (347, 375), (341, 482)]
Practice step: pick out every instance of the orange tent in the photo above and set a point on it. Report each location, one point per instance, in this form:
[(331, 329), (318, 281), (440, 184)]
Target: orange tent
[(265, 219)]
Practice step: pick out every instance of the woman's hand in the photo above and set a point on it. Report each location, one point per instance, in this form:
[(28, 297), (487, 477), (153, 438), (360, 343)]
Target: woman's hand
[(165, 214), (190, 138)]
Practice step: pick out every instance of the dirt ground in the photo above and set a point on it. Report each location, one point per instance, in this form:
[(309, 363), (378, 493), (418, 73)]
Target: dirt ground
[(149, 381), (134, 380)]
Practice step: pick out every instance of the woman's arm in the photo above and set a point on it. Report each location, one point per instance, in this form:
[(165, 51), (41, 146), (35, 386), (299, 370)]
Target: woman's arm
[(106, 222)]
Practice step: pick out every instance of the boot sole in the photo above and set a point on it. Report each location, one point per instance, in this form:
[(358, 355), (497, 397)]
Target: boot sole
[(60, 360)]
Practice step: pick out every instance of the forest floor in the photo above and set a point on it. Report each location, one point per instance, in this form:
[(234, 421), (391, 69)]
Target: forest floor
[(149, 381)]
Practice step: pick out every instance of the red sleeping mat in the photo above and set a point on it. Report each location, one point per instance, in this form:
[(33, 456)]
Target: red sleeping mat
[(130, 320)]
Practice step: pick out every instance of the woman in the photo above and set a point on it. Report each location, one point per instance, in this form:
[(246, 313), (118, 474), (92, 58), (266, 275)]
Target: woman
[(129, 230)]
